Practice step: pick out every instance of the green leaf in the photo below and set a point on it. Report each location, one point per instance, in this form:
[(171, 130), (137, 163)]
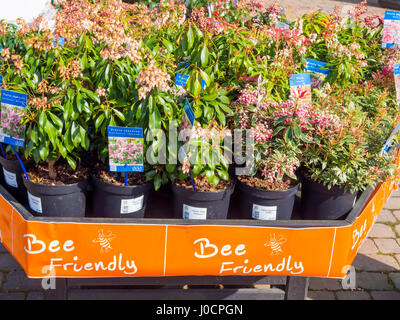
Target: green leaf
[(204, 56)]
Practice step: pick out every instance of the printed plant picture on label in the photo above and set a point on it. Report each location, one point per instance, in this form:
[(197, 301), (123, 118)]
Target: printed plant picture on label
[(10, 118), (126, 151)]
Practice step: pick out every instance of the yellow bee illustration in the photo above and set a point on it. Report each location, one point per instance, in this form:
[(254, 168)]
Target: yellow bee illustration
[(104, 240), (275, 243)]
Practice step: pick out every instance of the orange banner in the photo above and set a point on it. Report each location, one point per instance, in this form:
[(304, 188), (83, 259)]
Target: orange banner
[(126, 250)]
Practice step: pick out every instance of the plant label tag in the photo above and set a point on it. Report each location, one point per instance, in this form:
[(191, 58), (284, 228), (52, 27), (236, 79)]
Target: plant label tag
[(35, 203), (264, 212), (125, 148), (1, 79), (189, 112), (388, 142), (59, 41), (390, 31), (12, 111), (300, 87), (194, 213), (318, 67), (131, 205), (396, 71), (181, 154), (10, 178), (282, 25), (182, 79)]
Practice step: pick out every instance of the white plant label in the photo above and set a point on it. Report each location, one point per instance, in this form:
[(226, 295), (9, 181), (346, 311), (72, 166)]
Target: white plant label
[(263, 212), (131, 205), (194, 213), (10, 178), (35, 203)]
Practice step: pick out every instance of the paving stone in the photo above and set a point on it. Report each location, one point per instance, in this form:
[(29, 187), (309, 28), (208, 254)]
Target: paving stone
[(386, 216), (353, 295), (12, 296), (397, 228), (395, 277), (7, 262), (35, 296), (385, 295), (387, 245), (396, 213), (380, 230), (368, 247), (373, 281), (396, 193), (324, 283), (393, 203), (320, 295), (17, 280), (375, 262)]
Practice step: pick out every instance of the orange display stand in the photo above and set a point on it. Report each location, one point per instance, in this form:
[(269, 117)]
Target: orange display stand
[(91, 247)]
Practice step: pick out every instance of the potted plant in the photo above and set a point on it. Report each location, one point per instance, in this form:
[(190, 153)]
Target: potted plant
[(56, 119), (279, 132), (10, 70), (202, 187)]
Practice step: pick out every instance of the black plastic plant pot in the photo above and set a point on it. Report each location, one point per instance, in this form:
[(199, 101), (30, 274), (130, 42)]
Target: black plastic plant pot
[(199, 205), (12, 177), (57, 201), (264, 204), (111, 201), (320, 203)]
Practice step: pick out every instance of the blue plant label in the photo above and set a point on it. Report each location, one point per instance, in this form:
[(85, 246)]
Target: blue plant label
[(317, 67), (388, 142), (182, 79), (60, 41), (300, 87), (391, 29), (396, 71), (125, 149), (11, 113), (1, 80), (182, 65), (300, 79), (189, 112), (282, 25)]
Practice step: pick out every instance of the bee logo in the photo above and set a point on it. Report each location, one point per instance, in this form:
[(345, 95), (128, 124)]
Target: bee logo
[(104, 241), (275, 244)]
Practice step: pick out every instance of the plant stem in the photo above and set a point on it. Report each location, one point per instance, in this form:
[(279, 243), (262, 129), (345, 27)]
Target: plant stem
[(52, 171)]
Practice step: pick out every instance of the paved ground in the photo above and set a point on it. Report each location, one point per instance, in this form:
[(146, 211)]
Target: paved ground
[(297, 8), (377, 265)]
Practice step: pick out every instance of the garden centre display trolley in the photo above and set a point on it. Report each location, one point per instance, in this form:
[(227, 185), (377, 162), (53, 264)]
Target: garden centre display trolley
[(160, 252)]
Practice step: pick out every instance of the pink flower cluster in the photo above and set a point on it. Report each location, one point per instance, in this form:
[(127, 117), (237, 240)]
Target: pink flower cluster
[(205, 23), (325, 122), (261, 133), (125, 151), (275, 167), (249, 95), (152, 77)]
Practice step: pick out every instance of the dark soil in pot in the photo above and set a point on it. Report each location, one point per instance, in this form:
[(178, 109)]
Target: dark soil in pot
[(201, 204), (112, 199), (64, 197), (12, 175), (320, 203), (255, 201)]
